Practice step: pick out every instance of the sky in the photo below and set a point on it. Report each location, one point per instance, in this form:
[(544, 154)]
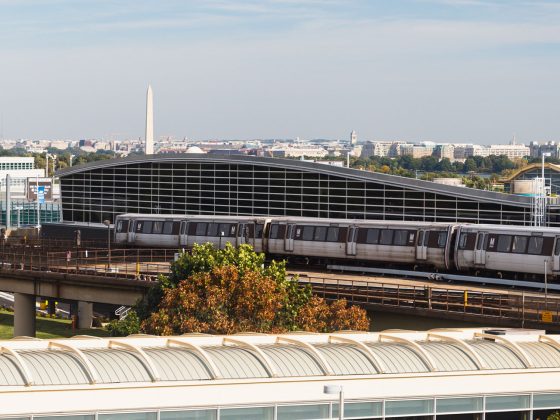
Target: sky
[(441, 70)]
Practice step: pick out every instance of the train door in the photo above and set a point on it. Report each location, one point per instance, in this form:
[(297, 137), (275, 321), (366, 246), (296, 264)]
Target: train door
[(556, 257), (422, 246), (351, 240), (242, 231), (183, 234), (480, 251), (131, 231), (289, 240)]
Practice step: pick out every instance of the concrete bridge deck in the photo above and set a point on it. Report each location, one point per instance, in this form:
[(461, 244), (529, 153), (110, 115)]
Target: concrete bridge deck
[(122, 276)]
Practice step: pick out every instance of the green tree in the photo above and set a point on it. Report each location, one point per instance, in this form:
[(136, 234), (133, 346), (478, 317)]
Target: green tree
[(554, 416), (233, 290), (124, 327)]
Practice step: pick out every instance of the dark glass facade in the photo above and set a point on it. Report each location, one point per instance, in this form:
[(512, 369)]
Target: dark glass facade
[(275, 187)]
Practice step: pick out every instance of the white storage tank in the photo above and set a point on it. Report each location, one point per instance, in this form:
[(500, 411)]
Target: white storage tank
[(523, 186), (458, 182)]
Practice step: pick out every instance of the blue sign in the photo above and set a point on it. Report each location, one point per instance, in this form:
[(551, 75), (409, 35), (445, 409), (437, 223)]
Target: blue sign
[(41, 194)]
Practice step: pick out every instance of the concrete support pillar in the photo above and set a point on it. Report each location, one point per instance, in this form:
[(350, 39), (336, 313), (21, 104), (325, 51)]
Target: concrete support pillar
[(24, 315), (85, 314)]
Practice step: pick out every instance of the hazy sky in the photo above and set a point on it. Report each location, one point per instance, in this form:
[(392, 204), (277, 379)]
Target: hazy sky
[(443, 70)]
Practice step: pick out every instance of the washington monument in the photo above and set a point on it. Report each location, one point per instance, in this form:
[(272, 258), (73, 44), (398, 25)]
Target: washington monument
[(149, 149)]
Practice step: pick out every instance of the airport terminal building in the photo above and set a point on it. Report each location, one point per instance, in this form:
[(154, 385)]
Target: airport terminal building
[(439, 374), (245, 185)]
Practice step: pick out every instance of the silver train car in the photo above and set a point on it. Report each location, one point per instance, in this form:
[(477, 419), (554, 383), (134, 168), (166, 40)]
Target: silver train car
[(171, 231), (516, 250), (495, 250)]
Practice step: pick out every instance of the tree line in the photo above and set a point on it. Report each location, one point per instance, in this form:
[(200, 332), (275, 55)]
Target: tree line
[(408, 166)]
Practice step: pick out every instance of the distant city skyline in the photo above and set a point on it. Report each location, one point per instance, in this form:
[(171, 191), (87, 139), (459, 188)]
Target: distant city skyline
[(461, 71)]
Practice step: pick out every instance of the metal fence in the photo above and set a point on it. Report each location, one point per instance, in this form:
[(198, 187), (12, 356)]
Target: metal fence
[(144, 264), (516, 306)]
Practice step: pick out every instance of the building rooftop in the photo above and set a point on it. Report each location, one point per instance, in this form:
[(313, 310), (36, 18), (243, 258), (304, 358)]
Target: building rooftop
[(85, 360), (415, 184)]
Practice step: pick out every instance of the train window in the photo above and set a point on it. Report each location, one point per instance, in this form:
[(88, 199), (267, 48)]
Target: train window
[(307, 234), (519, 245), (157, 227), (212, 229), (411, 237), (273, 231), (420, 237), (436, 239), (259, 230), (480, 241), (167, 228), (299, 230), (290, 232), (227, 229), (147, 227), (201, 229), (491, 242), (504, 243), (386, 237), (342, 234), (372, 236), (320, 233), (192, 228), (332, 234), (463, 241), (400, 238), (442, 239), (139, 226), (468, 241), (250, 230), (362, 235), (122, 225), (535, 245), (176, 228)]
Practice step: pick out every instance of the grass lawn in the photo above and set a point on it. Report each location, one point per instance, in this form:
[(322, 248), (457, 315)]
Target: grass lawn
[(46, 328)]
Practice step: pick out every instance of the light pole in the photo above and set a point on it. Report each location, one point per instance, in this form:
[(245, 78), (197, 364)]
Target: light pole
[(336, 389), (108, 224), (544, 155)]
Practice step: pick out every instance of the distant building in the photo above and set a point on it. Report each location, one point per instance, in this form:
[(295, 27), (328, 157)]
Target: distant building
[(512, 151), (537, 150), (417, 151), (443, 151)]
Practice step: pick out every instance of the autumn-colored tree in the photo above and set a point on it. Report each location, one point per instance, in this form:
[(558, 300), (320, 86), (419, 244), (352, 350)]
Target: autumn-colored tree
[(232, 290)]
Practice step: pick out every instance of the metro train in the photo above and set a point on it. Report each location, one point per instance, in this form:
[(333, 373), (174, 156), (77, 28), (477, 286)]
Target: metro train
[(496, 250)]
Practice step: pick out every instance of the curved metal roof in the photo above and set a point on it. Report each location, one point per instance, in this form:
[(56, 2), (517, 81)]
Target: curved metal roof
[(142, 359), (415, 184), (449, 357)]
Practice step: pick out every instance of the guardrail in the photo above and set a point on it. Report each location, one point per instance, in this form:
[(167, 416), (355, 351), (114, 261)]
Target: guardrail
[(519, 306), (144, 264), (147, 264)]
